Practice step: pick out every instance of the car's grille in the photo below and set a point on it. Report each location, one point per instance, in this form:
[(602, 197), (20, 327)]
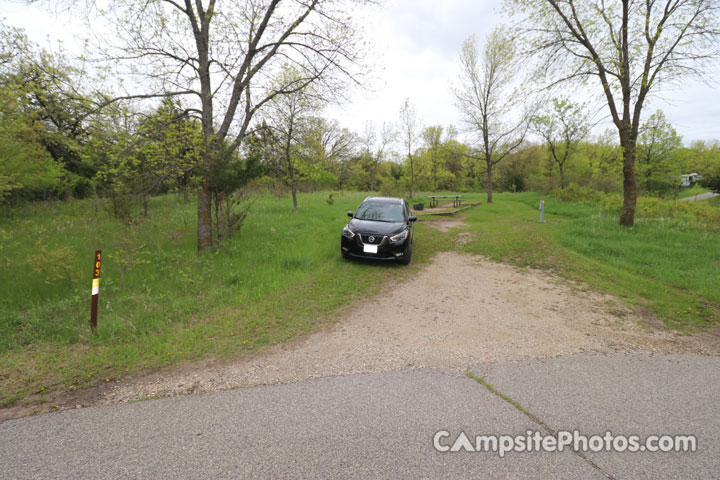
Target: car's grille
[(371, 239)]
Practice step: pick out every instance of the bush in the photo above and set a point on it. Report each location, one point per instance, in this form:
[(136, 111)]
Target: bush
[(670, 212), (663, 187), (390, 188), (578, 194), (231, 210), (513, 180), (713, 183)]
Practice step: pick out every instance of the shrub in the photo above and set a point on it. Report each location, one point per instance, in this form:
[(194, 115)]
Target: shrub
[(670, 212), (53, 264), (230, 213)]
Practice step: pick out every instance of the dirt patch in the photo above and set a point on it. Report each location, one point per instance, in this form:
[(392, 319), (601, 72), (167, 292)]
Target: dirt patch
[(459, 311), (463, 238), (444, 225)]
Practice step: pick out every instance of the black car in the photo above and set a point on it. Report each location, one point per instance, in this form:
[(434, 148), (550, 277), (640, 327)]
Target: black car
[(381, 228)]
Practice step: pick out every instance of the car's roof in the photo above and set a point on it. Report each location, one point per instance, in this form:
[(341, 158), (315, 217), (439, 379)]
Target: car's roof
[(383, 200)]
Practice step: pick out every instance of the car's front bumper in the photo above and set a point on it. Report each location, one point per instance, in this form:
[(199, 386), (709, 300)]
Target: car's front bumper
[(385, 249)]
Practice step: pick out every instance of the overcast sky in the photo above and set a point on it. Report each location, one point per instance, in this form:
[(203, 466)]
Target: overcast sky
[(419, 43)]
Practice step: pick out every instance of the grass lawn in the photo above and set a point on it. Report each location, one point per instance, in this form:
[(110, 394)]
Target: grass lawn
[(692, 191), (160, 302), (674, 272)]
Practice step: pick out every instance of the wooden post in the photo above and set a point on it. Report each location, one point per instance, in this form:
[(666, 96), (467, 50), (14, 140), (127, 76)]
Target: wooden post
[(95, 290)]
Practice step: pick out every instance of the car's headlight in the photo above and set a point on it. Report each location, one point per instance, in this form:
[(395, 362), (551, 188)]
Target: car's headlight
[(400, 236), (347, 232)]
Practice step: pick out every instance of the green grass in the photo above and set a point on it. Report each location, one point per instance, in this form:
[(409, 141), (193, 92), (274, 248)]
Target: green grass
[(673, 272), (160, 302), (692, 191)]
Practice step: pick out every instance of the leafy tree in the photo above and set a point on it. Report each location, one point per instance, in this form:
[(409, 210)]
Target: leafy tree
[(630, 47), (409, 128), (562, 130), (656, 142), (171, 147), (326, 144), (138, 156), (432, 136), (375, 150), (289, 114), (486, 100), (25, 165), (396, 173), (220, 56), (46, 86), (705, 159)]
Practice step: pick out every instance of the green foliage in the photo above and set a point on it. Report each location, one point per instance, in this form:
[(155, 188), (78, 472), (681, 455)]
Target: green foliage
[(713, 183), (26, 167), (231, 211), (562, 130), (47, 88), (156, 153), (671, 213), (709, 166), (52, 265), (657, 142)]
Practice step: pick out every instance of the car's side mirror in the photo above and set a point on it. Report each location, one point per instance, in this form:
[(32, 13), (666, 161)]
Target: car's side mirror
[(350, 214), (412, 219)]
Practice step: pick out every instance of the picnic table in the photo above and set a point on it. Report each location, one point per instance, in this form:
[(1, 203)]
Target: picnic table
[(457, 200)]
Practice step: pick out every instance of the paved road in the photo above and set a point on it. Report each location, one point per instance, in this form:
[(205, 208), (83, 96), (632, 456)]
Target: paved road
[(382, 425), (702, 196)]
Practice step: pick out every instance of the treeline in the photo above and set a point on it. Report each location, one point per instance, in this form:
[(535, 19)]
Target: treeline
[(57, 143)]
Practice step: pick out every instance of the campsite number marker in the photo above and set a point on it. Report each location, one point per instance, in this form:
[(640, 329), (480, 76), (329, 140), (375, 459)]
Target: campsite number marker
[(95, 289)]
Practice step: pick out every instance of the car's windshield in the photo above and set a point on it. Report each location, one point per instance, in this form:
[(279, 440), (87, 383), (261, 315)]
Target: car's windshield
[(380, 212)]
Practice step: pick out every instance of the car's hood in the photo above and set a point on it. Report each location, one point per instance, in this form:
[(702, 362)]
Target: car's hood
[(378, 228)]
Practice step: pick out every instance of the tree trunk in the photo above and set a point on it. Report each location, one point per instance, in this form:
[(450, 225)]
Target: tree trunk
[(218, 225), (630, 186), (294, 194), (204, 221), (291, 171), (412, 176), (562, 176), (489, 182)]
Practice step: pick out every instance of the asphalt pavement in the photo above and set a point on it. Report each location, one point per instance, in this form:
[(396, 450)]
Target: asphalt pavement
[(384, 425), (702, 196)]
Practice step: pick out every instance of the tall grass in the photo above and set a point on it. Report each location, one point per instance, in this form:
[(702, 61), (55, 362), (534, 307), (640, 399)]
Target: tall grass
[(160, 301)]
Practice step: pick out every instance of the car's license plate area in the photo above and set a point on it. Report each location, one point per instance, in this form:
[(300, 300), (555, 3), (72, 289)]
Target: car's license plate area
[(370, 248)]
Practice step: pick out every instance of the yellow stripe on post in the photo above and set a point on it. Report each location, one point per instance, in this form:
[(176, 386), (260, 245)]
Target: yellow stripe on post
[(95, 290)]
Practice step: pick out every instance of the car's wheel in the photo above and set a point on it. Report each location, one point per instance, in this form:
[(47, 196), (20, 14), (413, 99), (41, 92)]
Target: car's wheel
[(408, 254)]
